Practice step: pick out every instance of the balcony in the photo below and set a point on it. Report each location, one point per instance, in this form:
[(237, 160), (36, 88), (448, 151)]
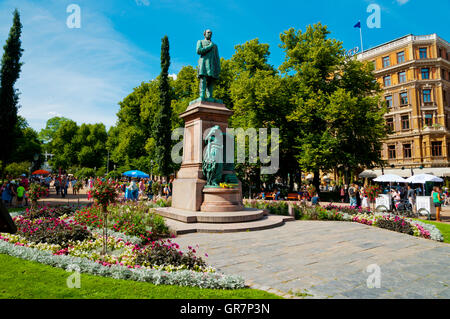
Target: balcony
[(434, 129)]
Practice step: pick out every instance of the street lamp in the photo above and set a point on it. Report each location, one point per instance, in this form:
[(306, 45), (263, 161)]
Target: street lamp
[(151, 173)]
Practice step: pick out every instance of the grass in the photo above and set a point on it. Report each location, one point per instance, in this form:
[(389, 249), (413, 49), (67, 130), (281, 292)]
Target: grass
[(444, 228), (22, 279)]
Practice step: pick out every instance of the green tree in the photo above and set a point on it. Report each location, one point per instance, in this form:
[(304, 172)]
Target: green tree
[(162, 124), (53, 124), (9, 96), (28, 143), (62, 146), (336, 110)]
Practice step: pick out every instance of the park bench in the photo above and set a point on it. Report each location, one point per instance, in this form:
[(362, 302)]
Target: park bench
[(292, 196)]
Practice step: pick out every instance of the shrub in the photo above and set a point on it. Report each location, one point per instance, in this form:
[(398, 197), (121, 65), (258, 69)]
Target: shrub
[(167, 253), (51, 231), (36, 191), (47, 212), (397, 224)]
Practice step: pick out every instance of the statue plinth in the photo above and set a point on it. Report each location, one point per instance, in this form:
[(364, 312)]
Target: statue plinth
[(221, 200), (188, 188)]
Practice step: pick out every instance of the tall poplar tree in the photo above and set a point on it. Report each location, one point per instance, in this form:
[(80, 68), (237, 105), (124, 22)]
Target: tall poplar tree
[(9, 96), (163, 126)]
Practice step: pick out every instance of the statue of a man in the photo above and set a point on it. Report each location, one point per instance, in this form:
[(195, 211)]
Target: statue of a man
[(208, 69)]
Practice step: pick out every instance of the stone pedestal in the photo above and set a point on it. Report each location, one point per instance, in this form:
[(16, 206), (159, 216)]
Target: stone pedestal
[(221, 200), (198, 117)]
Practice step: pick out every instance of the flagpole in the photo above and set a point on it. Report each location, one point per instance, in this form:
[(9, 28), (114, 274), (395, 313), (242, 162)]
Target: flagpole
[(360, 35)]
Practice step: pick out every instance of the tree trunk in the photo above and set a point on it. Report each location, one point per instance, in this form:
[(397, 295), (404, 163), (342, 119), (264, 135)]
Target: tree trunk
[(316, 181)]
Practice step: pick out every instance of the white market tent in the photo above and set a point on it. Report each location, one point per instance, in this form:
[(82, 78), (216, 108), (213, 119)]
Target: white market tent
[(436, 171), (390, 178), (423, 178)]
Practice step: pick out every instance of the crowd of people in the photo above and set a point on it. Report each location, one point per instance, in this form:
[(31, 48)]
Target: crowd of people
[(14, 191)]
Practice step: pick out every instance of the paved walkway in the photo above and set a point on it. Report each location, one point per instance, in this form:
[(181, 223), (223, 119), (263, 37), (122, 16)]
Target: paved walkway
[(329, 260)]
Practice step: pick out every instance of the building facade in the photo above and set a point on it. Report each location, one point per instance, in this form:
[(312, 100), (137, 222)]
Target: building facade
[(414, 72)]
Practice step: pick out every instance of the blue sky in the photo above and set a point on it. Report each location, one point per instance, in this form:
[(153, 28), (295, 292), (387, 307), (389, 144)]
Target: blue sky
[(83, 73)]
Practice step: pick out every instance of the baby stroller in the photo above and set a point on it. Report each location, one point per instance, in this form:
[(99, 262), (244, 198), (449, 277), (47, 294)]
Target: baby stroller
[(404, 207)]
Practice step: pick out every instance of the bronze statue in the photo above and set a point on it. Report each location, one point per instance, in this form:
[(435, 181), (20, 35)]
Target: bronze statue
[(212, 165), (208, 69)]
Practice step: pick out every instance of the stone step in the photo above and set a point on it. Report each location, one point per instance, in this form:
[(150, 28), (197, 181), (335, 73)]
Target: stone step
[(246, 215), (266, 222)]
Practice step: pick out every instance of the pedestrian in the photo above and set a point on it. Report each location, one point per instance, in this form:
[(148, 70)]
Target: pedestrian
[(411, 195), (365, 199), (358, 196), (342, 194), (315, 199), (20, 195), (57, 185), (352, 195), (437, 201)]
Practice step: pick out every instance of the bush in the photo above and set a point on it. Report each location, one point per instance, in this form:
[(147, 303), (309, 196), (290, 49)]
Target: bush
[(51, 231), (132, 219), (166, 253), (47, 212), (398, 224)]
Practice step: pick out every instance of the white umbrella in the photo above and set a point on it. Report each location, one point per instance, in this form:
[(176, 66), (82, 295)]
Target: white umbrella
[(423, 178), (310, 176), (390, 178), (368, 174)]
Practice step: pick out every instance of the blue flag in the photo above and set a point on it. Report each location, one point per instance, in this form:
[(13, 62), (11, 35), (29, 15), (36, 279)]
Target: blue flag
[(358, 25)]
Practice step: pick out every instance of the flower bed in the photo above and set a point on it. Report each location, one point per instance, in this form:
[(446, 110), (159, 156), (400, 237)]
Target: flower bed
[(133, 219), (352, 214), (155, 276), (62, 242)]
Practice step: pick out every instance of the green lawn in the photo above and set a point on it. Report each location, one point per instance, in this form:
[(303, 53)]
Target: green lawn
[(444, 228), (22, 279)]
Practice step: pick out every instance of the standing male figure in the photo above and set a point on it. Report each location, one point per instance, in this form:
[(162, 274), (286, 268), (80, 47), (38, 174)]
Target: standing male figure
[(208, 69), (352, 195)]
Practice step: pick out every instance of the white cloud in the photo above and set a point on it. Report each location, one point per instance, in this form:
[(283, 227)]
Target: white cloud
[(402, 2), (81, 73), (173, 76)]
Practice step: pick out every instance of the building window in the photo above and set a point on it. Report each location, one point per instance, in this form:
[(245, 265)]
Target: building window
[(401, 77), (428, 119), (386, 62), (388, 101), (405, 122), (423, 53), (436, 148), (387, 80), (426, 96), (403, 98), (407, 151), (401, 57), (390, 124), (391, 151), (425, 74)]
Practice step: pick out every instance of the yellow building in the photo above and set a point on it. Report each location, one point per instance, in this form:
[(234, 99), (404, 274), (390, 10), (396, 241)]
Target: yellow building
[(414, 72)]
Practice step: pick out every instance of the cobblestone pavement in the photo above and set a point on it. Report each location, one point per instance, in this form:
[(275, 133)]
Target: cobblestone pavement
[(321, 259)]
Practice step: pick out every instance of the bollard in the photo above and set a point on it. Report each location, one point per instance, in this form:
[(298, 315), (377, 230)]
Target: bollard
[(291, 210)]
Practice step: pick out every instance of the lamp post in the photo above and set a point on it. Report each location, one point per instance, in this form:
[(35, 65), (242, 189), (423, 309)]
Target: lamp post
[(107, 165), (151, 169)]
